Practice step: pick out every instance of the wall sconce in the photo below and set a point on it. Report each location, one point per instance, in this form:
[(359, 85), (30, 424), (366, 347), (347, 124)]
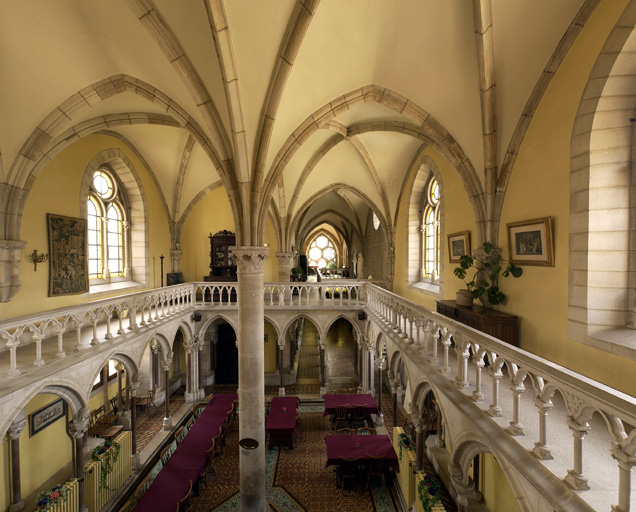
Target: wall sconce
[(36, 258)]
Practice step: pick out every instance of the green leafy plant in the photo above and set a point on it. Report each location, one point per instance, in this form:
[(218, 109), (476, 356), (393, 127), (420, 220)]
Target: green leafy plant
[(429, 492), (404, 441), (46, 499), (481, 275), (107, 454)]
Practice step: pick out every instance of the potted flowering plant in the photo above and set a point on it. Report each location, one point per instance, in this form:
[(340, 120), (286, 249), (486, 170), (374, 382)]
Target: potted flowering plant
[(46, 499), (429, 492)]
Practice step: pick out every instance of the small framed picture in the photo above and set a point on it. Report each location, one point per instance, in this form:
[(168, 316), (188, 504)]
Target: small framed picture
[(45, 416), (530, 242), (458, 245)]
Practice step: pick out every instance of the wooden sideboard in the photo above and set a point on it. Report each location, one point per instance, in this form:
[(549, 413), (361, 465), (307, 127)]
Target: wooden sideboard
[(500, 325)]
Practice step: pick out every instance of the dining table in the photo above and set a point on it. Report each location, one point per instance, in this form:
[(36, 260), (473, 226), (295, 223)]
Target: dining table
[(358, 446), (281, 422), (350, 399), (187, 463)]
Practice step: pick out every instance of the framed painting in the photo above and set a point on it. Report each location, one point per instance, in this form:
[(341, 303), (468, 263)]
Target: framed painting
[(45, 416), (530, 242), (458, 245), (68, 251)]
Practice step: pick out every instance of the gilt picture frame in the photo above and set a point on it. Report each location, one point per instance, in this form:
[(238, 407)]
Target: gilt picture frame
[(530, 242), (458, 245)]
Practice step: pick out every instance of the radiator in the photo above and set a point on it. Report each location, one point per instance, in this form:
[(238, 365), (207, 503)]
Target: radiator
[(71, 503), (97, 498)]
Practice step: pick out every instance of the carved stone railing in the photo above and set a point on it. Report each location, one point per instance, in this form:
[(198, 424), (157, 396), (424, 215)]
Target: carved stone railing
[(567, 406)]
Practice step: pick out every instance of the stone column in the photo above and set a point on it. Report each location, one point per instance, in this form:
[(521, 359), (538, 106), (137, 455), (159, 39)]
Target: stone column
[(541, 449), (419, 444), (175, 259), (15, 430), (120, 401), (133, 421), (189, 347), (10, 252), (78, 428), (323, 379), (199, 392), (284, 266), (281, 354), (515, 427), (462, 485), (625, 463), (251, 311), (165, 365), (379, 363), (575, 477)]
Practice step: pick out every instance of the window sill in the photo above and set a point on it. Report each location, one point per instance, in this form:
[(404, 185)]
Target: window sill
[(427, 288), (102, 290), (619, 341)]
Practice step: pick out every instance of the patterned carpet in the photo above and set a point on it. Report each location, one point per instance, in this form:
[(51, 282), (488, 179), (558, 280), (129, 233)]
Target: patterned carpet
[(151, 422)]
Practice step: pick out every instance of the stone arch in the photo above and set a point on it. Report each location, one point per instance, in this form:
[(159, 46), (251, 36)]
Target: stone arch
[(215, 318), (425, 127), (602, 197), (123, 169), (280, 335), (68, 390), (315, 321), (296, 219), (356, 328)]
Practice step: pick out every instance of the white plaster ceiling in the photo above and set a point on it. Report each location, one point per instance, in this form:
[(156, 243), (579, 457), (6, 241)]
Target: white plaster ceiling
[(423, 50)]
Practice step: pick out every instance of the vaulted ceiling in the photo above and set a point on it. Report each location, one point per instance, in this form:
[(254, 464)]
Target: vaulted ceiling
[(308, 110)]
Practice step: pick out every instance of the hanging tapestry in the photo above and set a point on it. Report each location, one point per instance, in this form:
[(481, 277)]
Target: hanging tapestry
[(68, 262)]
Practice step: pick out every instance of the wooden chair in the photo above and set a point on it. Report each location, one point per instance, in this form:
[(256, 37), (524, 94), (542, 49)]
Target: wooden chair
[(197, 409), (268, 406), (347, 431), (366, 431), (209, 459), (165, 454), (184, 503), (113, 404), (217, 444), (141, 489), (347, 472), (340, 416), (180, 434), (376, 464), (358, 415), (235, 409), (149, 399), (189, 423)]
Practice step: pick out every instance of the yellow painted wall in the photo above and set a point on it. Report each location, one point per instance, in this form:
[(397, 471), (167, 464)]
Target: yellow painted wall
[(494, 486), (42, 455), (270, 348), (458, 216), (57, 190), (539, 187)]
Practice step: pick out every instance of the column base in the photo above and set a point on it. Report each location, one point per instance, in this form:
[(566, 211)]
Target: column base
[(494, 411), (379, 419), (190, 397), (477, 397), (136, 461), (167, 423), (323, 391), (281, 391), (541, 452), (17, 507), (516, 429), (616, 508), (577, 481)]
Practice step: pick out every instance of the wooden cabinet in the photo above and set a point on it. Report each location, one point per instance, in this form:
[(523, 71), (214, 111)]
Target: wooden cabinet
[(497, 324), (222, 262)]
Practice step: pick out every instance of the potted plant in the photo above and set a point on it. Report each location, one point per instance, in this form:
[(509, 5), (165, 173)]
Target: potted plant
[(297, 274), (481, 277)]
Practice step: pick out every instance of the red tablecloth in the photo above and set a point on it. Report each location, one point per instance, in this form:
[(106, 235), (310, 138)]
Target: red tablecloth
[(345, 446), (188, 460), (282, 415), (351, 399)]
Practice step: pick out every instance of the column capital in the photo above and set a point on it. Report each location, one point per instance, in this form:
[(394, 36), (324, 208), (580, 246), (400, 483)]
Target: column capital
[(379, 363), (17, 426), (250, 259), (284, 258), (624, 459), (78, 428), (166, 362), (578, 430)]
